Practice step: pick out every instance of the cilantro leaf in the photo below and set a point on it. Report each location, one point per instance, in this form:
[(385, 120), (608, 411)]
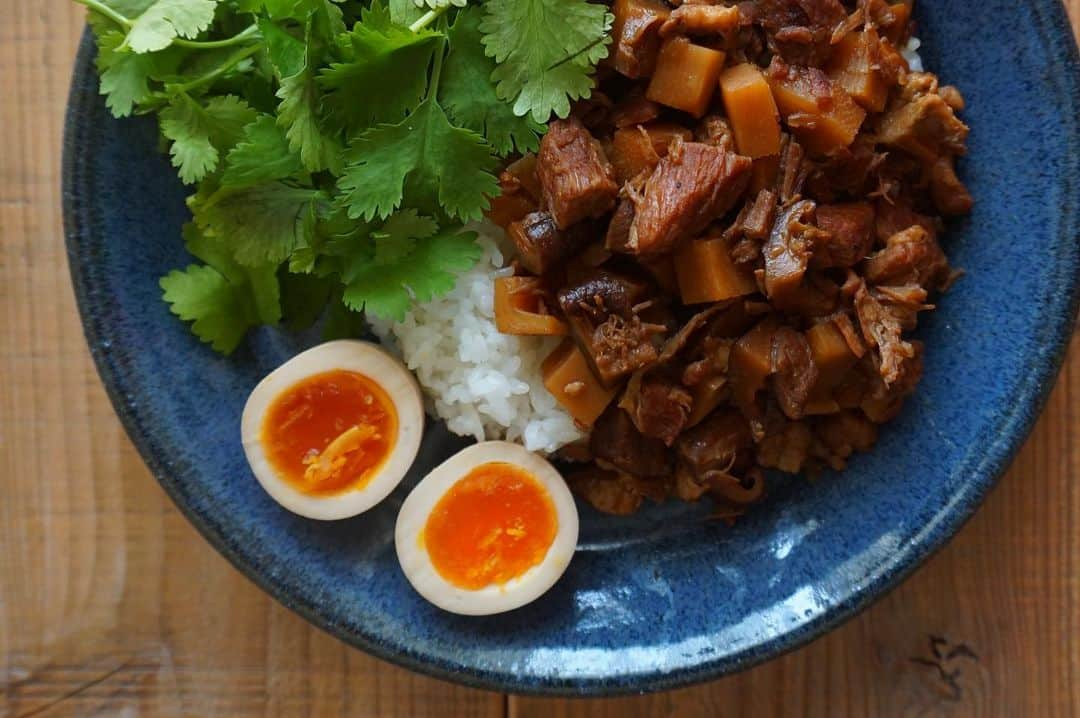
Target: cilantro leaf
[(163, 21), (469, 96), (423, 160), (405, 12), (387, 290), (398, 236), (287, 53), (262, 155), (200, 134), (545, 50), (297, 115), (359, 90), (202, 295), (300, 97), (125, 76), (261, 224), (222, 298)]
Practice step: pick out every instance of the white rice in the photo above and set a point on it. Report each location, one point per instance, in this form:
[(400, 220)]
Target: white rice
[(481, 383), (911, 54)]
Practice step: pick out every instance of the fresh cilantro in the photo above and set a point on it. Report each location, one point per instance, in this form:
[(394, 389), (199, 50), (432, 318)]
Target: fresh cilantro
[(301, 99), (545, 50), (165, 20), (469, 96), (221, 298), (405, 12), (407, 268), (335, 147), (262, 155), (200, 134), (424, 161), (261, 224), (125, 76), (358, 92)]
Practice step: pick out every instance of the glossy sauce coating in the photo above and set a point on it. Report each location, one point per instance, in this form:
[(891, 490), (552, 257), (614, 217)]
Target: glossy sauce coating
[(492, 526), (330, 432)]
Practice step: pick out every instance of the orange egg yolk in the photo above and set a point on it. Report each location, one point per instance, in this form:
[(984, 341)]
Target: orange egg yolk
[(330, 432), (490, 527)]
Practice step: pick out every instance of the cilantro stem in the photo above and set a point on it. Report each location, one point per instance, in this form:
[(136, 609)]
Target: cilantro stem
[(103, 9), (126, 23), (249, 32), (427, 18), (230, 62)]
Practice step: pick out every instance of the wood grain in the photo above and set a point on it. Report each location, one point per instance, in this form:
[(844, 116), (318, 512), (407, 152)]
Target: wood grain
[(112, 605)]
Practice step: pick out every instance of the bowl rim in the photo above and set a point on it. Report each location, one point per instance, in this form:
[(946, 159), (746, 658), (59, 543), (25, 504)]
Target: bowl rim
[(1053, 26)]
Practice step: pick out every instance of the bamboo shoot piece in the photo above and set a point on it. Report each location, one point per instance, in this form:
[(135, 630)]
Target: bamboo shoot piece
[(568, 377), (831, 353), (750, 363), (751, 111), (857, 67), (686, 76), (821, 114), (519, 310), (706, 273), (897, 33)]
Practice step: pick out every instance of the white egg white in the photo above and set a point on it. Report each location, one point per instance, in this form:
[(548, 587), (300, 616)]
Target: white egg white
[(412, 519), (377, 365)]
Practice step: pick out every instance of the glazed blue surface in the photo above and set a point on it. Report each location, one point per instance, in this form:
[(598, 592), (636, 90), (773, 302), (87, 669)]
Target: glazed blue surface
[(663, 598)]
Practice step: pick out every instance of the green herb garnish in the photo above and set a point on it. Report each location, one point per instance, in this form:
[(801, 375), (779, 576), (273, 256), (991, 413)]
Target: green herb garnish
[(336, 149)]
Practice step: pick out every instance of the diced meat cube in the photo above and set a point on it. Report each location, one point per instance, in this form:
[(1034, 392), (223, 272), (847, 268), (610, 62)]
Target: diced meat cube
[(719, 444), (659, 406), (695, 184), (616, 441), (850, 229), (575, 175), (794, 372), (922, 122), (605, 491), (909, 257), (950, 195)]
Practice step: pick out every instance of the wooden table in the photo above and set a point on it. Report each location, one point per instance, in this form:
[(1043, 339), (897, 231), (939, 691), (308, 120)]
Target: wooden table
[(112, 605)]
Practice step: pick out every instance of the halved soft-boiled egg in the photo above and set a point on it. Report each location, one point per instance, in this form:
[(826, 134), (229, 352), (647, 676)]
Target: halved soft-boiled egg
[(489, 530), (333, 430)]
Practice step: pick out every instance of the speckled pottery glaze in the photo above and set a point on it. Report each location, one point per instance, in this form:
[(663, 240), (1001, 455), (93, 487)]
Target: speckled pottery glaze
[(664, 598)]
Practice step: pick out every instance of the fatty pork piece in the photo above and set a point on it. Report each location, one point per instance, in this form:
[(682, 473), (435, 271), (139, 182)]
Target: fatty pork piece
[(542, 246), (693, 185), (712, 454), (616, 443), (602, 311), (576, 178)]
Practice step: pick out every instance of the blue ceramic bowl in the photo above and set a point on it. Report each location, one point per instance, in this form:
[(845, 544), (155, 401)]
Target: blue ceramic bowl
[(664, 598)]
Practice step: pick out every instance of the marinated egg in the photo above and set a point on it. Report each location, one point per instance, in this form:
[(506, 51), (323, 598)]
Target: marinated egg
[(332, 431), (489, 530)]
